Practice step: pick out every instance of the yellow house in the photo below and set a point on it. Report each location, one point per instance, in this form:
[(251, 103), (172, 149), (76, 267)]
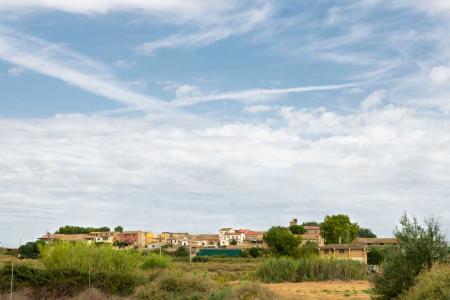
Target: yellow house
[(149, 237), (356, 252)]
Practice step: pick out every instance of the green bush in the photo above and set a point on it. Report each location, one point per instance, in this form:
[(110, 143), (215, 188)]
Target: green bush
[(200, 259), (85, 258), (154, 261), (430, 285), (58, 283), (277, 269), (171, 285), (309, 269), (375, 255)]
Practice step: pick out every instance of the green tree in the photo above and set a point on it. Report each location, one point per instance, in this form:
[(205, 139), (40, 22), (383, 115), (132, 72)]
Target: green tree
[(310, 223), (80, 230), (181, 251), (281, 241), (366, 233), (338, 228), (418, 248), (233, 242), (118, 229), (30, 249), (297, 229), (375, 255), (308, 249)]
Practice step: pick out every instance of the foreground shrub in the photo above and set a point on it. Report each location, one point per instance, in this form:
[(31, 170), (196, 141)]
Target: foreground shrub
[(89, 258), (58, 283), (277, 269), (154, 261), (309, 269), (171, 285), (431, 285), (316, 269), (419, 247)]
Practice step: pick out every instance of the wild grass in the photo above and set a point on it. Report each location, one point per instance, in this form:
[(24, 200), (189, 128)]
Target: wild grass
[(89, 258), (433, 284), (155, 261), (309, 269)]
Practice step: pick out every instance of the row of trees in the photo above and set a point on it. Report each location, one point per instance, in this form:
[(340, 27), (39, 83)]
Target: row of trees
[(68, 229)]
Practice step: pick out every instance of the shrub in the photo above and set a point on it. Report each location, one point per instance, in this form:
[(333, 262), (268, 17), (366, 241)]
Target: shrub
[(30, 249), (172, 285), (85, 258), (242, 291), (153, 261), (58, 283), (277, 269), (433, 285), (200, 259), (307, 250), (419, 247), (181, 251), (281, 241)]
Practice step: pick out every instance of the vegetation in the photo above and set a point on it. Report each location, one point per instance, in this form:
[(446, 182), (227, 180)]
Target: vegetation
[(155, 261), (366, 233), (338, 229), (89, 258), (432, 284), (181, 251), (30, 249), (79, 230), (309, 249), (375, 255), (118, 229), (297, 229), (311, 223), (419, 247), (281, 241), (309, 269)]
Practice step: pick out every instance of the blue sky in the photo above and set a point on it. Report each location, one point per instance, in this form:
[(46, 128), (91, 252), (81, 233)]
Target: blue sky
[(192, 115)]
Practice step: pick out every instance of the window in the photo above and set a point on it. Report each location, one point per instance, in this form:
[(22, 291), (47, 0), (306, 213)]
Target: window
[(341, 251)]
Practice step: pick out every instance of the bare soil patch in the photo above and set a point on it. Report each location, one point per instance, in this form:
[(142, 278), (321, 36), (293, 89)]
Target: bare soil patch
[(322, 290)]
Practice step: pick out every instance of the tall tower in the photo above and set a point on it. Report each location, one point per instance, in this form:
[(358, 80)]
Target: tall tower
[(293, 222)]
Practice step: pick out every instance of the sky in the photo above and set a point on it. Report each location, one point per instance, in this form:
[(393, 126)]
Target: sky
[(183, 115)]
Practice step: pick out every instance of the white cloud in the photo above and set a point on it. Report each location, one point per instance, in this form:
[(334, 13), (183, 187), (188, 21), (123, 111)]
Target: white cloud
[(124, 64), (440, 75), (60, 62), (227, 26), (373, 100), (84, 170), (255, 95)]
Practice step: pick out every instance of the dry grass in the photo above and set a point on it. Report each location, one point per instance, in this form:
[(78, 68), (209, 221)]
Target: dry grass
[(322, 290)]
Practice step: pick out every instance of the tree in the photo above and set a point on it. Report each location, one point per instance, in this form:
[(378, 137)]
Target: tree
[(297, 229), (308, 249), (366, 233), (375, 255), (118, 229), (338, 229), (233, 242), (281, 241), (418, 248), (310, 223), (80, 230), (181, 251), (30, 249)]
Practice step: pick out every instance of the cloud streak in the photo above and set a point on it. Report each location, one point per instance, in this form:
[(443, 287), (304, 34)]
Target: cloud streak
[(59, 62), (255, 95)]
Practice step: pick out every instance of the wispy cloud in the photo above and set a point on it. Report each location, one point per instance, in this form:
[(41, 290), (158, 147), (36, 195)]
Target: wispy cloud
[(59, 62), (227, 26), (256, 94)]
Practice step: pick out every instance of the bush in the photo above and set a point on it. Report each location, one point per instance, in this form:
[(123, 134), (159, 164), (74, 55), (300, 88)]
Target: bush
[(419, 247), (309, 269), (181, 251), (172, 285), (309, 249), (85, 258), (58, 283), (281, 241), (200, 259), (432, 285), (153, 261), (30, 249), (277, 269)]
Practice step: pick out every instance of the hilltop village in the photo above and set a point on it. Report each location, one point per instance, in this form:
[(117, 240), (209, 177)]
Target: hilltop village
[(226, 238)]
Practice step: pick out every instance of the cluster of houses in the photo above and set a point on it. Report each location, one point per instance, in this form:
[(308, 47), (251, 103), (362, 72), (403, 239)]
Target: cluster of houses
[(226, 238)]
